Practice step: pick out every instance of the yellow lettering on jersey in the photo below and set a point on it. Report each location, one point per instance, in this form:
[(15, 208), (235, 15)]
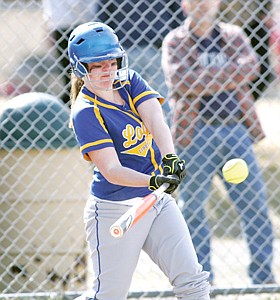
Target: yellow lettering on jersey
[(133, 135), (141, 149)]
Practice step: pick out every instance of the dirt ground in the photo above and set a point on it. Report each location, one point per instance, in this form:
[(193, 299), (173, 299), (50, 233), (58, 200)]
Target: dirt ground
[(229, 264)]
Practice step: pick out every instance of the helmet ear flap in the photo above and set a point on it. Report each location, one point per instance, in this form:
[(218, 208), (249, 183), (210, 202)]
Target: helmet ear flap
[(80, 69)]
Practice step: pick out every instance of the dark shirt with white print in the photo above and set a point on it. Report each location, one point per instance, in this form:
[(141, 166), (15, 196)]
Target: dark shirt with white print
[(224, 103)]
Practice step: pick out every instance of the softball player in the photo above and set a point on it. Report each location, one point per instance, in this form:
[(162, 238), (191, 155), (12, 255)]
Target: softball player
[(120, 127)]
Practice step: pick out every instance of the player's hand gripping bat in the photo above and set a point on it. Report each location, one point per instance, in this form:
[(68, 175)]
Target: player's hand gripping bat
[(136, 212)]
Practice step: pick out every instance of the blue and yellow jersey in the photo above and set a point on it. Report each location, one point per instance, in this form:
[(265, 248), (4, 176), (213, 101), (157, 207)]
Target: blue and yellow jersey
[(99, 124)]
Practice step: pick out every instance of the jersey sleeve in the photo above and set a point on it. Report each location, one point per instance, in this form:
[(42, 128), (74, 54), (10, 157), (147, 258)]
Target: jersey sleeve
[(90, 130), (141, 91)]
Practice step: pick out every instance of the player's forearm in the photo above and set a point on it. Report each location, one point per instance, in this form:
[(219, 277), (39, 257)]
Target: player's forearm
[(163, 138), (120, 175), (152, 116)]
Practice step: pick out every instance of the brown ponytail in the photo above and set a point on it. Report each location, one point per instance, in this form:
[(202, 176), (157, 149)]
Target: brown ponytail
[(76, 85)]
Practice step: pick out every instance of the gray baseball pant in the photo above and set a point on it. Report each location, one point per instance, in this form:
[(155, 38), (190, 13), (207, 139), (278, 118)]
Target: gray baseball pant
[(162, 233)]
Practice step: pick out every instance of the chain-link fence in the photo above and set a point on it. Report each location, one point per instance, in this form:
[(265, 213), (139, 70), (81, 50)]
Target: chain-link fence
[(44, 181)]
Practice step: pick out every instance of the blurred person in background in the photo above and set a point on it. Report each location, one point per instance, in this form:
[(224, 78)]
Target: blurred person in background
[(61, 18), (141, 27), (208, 66), (255, 17)]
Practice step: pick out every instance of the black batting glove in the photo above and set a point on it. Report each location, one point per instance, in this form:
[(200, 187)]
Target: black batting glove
[(172, 164), (157, 180)]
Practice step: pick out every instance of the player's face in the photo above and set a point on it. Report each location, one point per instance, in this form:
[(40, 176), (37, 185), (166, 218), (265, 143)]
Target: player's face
[(102, 74)]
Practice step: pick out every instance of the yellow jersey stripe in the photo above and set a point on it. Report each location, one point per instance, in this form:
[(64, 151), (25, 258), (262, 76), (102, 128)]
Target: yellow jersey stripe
[(145, 94), (96, 143), (96, 102)]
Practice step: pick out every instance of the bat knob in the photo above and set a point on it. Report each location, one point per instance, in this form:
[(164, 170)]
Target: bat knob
[(116, 231)]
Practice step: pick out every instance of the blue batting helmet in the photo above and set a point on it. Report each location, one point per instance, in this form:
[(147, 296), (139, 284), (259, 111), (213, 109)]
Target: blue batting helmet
[(93, 42)]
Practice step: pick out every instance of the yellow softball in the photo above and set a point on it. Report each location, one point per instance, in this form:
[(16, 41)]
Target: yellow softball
[(235, 170)]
